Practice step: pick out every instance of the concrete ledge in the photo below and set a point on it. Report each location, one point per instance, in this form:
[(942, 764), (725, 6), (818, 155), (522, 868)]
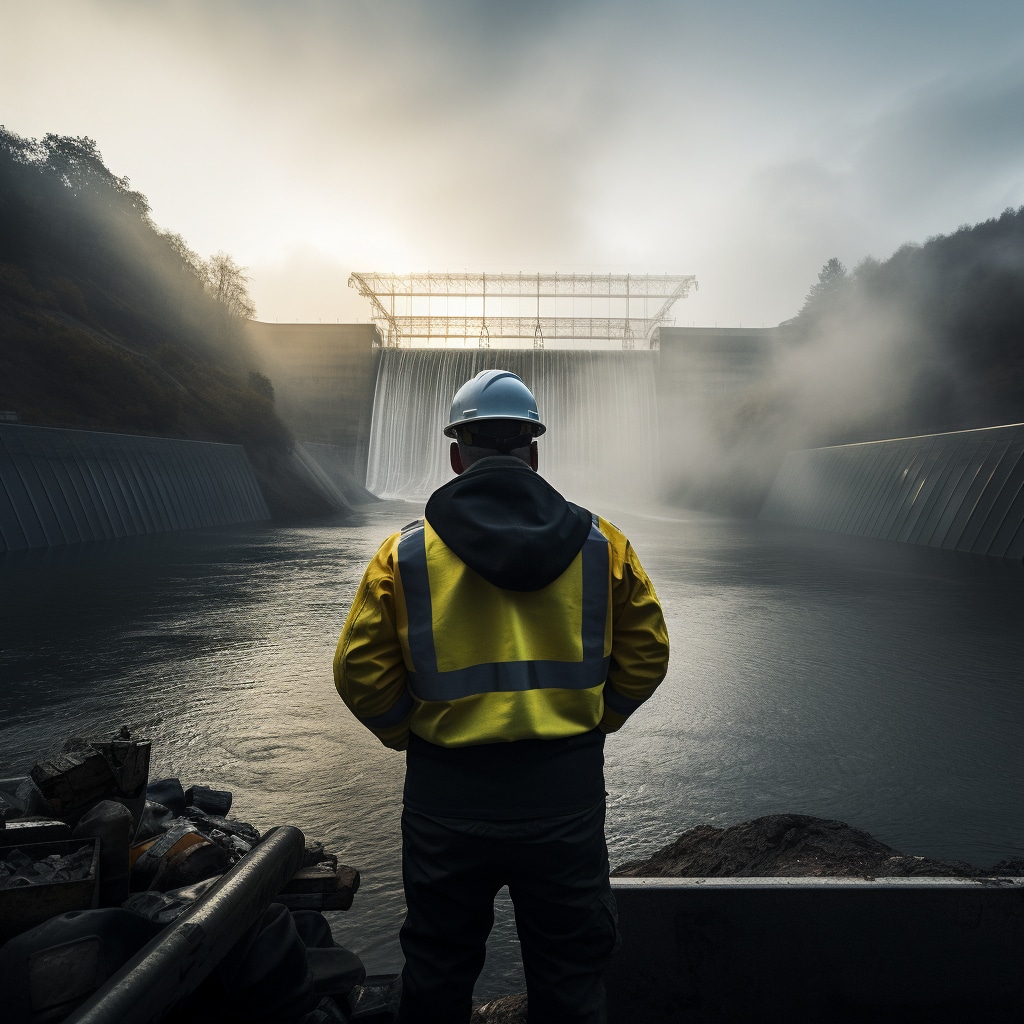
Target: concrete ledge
[(817, 949)]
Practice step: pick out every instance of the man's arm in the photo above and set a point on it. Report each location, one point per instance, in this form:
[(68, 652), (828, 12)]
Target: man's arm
[(639, 656), (369, 671)]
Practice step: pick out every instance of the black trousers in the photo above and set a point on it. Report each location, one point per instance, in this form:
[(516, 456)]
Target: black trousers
[(556, 870)]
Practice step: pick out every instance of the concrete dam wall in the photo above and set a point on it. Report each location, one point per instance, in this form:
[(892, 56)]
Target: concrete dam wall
[(380, 410), (68, 486), (962, 491), (323, 375), (600, 409)]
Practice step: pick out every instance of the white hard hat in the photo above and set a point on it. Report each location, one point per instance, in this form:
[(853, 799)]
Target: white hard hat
[(494, 395)]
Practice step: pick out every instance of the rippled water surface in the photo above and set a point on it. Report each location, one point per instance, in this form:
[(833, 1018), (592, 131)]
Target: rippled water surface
[(875, 683)]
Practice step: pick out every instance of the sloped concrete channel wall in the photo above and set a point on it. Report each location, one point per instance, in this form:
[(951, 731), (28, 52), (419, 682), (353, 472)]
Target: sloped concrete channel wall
[(817, 949), (69, 486), (962, 491)]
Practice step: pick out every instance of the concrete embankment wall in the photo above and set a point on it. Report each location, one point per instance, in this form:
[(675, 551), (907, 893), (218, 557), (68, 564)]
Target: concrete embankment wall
[(961, 491), (334, 462), (68, 486), (817, 949), (323, 376)]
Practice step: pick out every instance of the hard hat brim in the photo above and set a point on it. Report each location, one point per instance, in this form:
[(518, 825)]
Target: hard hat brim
[(451, 428)]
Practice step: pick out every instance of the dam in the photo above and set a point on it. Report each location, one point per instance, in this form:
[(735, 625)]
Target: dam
[(369, 415), (607, 382), (620, 397), (621, 394), (600, 409)]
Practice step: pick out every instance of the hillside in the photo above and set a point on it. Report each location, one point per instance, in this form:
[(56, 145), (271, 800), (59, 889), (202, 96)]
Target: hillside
[(927, 341), (951, 309), (107, 323)]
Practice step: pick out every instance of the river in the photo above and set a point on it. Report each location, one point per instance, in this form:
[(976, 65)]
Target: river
[(876, 683)]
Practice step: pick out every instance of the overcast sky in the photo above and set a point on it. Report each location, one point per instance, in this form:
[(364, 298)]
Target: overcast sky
[(742, 142)]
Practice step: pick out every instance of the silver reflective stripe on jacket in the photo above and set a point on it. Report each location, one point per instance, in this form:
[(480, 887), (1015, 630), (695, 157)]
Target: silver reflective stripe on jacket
[(427, 683)]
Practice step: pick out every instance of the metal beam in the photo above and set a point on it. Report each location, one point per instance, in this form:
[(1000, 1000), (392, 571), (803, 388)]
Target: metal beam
[(384, 289)]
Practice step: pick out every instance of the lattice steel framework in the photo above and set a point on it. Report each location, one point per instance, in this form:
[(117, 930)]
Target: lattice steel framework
[(398, 302)]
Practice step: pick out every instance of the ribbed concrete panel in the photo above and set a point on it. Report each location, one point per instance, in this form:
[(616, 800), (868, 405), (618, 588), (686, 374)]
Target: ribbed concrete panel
[(962, 491), (69, 486), (1016, 548)]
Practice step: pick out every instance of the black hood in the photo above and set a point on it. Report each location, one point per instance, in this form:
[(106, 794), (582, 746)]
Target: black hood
[(508, 524)]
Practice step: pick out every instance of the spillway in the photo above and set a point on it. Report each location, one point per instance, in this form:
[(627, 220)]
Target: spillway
[(600, 409)]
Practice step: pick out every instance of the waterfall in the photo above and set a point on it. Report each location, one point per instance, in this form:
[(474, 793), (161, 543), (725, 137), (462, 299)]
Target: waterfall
[(600, 409)]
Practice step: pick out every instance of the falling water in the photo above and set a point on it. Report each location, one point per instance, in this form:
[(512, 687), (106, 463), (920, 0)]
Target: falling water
[(600, 409)]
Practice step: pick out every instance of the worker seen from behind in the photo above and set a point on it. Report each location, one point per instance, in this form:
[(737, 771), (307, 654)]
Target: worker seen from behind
[(497, 641)]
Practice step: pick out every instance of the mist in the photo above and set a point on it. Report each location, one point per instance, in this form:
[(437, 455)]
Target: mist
[(925, 342), (738, 143)]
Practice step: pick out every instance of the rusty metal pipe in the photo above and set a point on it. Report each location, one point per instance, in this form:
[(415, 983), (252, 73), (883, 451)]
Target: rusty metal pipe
[(177, 960)]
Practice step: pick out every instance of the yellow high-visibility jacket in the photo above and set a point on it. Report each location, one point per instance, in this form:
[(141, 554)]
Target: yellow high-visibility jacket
[(433, 648)]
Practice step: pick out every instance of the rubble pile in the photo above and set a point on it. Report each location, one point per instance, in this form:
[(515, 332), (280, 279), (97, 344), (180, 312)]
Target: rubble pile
[(19, 868), (97, 862)]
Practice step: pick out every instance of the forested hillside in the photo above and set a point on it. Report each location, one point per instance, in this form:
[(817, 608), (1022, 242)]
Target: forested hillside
[(953, 307), (107, 323), (929, 340)]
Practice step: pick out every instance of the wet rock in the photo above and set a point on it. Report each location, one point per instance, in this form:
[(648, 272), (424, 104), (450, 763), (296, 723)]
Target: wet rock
[(86, 772), (22, 831), (169, 793), (50, 969), (208, 823), (327, 1012), (163, 908), (785, 845), (8, 787), (376, 1000), (32, 801), (151, 858), (1013, 867), (7, 810), (321, 887), (212, 801), (73, 779), (336, 971), (22, 869), (506, 1010), (111, 824), (315, 854), (156, 819), (193, 864)]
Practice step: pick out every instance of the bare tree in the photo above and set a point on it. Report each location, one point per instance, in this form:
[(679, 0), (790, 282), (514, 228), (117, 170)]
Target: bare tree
[(228, 284)]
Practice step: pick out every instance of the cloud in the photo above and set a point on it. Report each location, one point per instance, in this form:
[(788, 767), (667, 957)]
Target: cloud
[(743, 143), (960, 139), (303, 285)]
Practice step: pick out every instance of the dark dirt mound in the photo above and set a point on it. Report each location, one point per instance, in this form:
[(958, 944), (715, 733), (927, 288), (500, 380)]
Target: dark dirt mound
[(791, 845)]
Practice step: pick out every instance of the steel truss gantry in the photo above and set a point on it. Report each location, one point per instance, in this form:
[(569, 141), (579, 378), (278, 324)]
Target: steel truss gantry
[(404, 306)]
